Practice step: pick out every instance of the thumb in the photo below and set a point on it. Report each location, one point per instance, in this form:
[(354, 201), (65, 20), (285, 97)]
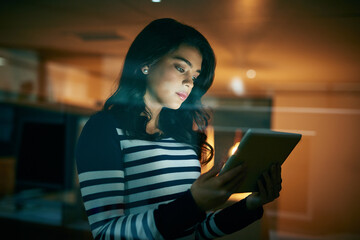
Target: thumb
[(253, 201), (213, 171)]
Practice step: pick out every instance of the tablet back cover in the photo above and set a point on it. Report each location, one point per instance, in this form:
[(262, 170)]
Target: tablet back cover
[(260, 149)]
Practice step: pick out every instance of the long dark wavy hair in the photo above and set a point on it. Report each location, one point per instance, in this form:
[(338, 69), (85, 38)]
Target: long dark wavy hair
[(186, 124)]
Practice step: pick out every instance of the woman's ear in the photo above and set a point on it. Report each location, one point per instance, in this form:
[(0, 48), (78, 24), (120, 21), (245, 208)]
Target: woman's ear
[(145, 70)]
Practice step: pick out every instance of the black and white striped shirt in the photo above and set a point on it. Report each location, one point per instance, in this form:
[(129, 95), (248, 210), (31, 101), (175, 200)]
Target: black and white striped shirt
[(139, 189)]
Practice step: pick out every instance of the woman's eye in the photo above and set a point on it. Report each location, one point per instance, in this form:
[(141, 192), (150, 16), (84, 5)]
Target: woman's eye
[(180, 69)]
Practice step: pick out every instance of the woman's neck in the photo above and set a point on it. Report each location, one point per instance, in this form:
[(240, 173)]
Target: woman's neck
[(152, 127), (154, 109)]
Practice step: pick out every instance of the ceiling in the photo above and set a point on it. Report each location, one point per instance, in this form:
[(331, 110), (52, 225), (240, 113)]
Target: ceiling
[(293, 45)]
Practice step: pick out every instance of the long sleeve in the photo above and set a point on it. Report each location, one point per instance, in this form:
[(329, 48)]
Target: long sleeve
[(102, 184), (105, 196), (228, 220), (214, 225)]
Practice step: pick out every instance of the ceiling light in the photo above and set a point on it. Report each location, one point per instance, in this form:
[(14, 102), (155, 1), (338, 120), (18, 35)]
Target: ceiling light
[(156, 1), (2, 61), (251, 73)]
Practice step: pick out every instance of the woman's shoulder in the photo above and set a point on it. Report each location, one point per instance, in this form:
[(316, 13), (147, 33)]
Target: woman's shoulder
[(102, 118), (98, 144), (102, 122), (102, 115)]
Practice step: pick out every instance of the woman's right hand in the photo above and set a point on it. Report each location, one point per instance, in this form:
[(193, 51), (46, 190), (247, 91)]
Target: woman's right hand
[(211, 190)]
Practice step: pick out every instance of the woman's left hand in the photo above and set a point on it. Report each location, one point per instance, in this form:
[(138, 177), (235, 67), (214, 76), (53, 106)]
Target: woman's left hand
[(269, 188)]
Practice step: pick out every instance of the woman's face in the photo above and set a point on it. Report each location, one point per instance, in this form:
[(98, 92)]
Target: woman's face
[(171, 79)]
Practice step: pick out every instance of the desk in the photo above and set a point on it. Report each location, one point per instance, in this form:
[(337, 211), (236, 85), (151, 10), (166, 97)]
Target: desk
[(50, 216)]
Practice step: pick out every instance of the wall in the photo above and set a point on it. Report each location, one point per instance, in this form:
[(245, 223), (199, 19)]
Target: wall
[(321, 178)]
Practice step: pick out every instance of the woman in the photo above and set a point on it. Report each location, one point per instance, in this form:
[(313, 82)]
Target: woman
[(138, 158)]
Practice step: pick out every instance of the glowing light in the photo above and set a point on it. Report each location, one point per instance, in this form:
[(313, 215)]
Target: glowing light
[(232, 150), (156, 1), (237, 85), (238, 196), (2, 61), (251, 73)]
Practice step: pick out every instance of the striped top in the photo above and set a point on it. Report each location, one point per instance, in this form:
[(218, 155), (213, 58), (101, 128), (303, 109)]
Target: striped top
[(139, 189)]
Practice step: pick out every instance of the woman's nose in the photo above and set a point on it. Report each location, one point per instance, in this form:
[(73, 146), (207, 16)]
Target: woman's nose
[(188, 82)]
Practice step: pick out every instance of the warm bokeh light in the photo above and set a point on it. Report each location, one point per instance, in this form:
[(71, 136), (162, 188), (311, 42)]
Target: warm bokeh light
[(237, 86), (251, 73)]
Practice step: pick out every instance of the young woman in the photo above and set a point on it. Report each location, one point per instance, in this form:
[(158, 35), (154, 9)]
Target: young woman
[(139, 158)]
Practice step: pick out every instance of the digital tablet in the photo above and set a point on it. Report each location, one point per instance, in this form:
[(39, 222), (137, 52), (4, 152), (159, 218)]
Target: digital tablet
[(260, 149)]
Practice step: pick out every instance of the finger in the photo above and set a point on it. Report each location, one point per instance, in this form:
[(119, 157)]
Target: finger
[(232, 175), (212, 172), (262, 191), (279, 173), (277, 179), (232, 186), (223, 161), (268, 184), (274, 175), (274, 187)]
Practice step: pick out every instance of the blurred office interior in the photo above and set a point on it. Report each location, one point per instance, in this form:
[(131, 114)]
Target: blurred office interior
[(286, 65)]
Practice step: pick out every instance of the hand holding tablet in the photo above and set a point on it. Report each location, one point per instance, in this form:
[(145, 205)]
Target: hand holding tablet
[(259, 149)]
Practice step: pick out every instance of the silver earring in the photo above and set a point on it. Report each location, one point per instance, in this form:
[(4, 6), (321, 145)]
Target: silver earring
[(146, 71)]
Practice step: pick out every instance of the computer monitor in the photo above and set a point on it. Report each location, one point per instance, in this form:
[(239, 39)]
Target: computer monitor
[(45, 152), (41, 155)]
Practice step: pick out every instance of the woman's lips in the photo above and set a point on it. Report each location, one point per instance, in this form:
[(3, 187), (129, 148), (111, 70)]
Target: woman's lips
[(182, 95)]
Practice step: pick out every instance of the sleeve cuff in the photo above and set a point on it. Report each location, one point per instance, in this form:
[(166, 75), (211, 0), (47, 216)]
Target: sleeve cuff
[(237, 217), (177, 216)]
